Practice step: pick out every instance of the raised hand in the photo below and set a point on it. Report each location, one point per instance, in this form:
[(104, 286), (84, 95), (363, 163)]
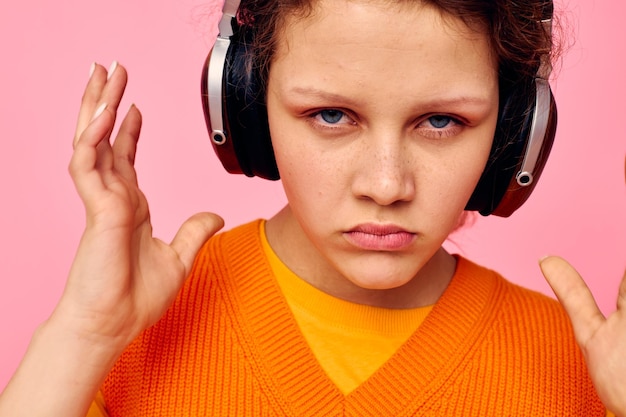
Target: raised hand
[(601, 339), (122, 279)]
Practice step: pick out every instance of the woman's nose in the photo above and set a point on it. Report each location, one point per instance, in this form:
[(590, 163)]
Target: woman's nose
[(386, 171)]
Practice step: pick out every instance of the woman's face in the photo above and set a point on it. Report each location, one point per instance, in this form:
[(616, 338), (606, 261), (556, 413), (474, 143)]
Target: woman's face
[(382, 118)]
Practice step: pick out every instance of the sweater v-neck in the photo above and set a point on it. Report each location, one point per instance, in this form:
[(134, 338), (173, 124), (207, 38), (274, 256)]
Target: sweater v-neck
[(297, 382)]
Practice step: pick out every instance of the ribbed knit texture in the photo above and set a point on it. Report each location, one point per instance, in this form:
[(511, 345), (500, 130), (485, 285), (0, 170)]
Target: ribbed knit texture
[(229, 346)]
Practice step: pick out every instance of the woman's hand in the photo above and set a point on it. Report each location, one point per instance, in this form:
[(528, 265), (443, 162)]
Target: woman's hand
[(601, 339), (122, 279)]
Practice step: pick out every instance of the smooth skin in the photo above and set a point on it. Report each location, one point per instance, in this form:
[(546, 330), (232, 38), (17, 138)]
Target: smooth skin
[(123, 279)]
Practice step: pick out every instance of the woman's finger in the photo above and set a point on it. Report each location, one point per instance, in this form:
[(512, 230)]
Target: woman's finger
[(91, 95), (103, 87), (125, 145), (574, 296), (82, 167), (192, 235)]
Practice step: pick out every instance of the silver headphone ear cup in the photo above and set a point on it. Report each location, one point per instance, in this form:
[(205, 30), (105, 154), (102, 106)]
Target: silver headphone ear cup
[(212, 104), (536, 151), (538, 133), (234, 102), (523, 140)]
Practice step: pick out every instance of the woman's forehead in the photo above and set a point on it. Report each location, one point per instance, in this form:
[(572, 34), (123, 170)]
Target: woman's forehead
[(370, 44)]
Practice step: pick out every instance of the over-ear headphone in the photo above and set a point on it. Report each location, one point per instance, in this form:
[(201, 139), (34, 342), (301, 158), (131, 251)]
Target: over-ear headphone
[(233, 99)]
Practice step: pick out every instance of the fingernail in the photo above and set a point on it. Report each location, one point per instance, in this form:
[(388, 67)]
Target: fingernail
[(99, 111), (92, 69), (112, 69)]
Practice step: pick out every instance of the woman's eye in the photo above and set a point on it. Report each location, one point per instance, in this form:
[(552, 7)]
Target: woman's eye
[(439, 121), (440, 126), (331, 121), (331, 116)]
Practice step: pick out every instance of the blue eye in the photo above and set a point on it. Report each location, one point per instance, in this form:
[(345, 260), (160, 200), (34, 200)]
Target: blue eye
[(439, 126), (331, 116), (439, 121)]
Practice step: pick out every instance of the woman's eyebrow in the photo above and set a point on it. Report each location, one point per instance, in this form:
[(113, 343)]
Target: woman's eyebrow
[(320, 94), (475, 100)]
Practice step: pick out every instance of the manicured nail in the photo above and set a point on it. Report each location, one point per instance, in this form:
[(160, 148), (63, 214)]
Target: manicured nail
[(99, 111), (112, 69), (92, 69)]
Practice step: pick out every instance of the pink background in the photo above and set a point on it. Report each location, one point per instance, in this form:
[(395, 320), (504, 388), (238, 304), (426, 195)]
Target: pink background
[(47, 47)]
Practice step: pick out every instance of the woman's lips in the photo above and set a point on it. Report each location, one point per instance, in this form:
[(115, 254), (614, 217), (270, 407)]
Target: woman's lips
[(379, 237)]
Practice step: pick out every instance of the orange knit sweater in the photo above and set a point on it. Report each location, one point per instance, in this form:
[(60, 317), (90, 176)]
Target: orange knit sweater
[(230, 346)]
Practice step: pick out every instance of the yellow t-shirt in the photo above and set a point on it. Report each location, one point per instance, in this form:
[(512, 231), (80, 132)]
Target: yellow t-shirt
[(98, 407)]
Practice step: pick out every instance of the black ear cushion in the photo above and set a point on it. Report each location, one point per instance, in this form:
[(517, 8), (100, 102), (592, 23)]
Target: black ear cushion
[(510, 139), (245, 113)]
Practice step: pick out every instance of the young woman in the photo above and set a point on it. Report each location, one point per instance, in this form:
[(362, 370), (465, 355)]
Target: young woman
[(383, 117)]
